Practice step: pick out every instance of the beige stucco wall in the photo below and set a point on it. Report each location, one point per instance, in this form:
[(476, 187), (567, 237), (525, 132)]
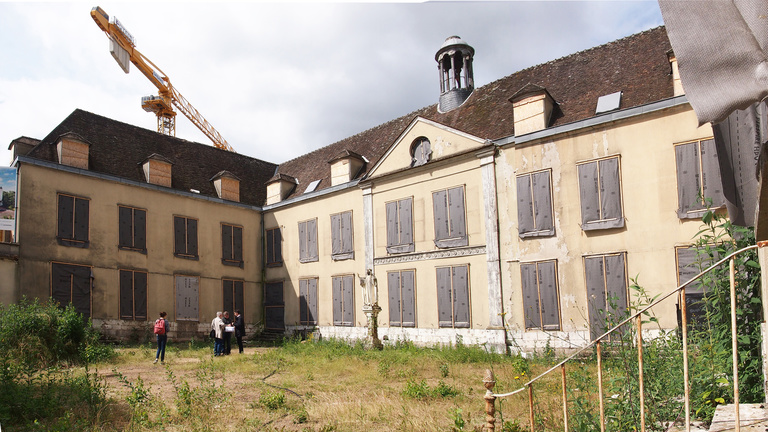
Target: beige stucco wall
[(38, 187), (649, 195)]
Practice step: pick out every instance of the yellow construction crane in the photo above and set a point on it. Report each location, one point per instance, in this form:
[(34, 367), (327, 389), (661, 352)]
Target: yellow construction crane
[(122, 46)]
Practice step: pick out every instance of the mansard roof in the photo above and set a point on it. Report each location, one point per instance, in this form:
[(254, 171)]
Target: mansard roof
[(636, 65), (119, 149)]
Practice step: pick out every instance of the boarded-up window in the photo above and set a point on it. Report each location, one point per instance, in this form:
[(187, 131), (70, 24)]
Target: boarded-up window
[(600, 193), (691, 261), (308, 241), (400, 226), (274, 248), (308, 301), (133, 295), (342, 246), (232, 295), (343, 300), (402, 298), (185, 237), (606, 291), (73, 224), (232, 245), (274, 306), (421, 151), (541, 300), (453, 296), (72, 284), (450, 221), (132, 228), (187, 298), (534, 205), (698, 178)]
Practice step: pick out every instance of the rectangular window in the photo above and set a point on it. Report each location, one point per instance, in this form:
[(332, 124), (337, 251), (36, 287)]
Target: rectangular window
[(274, 306), (232, 245), (185, 237), (73, 224), (691, 261), (450, 220), (133, 295), (308, 241), (343, 300), (541, 300), (534, 205), (600, 192), (400, 226), (698, 178), (453, 296), (342, 247), (72, 284), (187, 298), (132, 228), (606, 279), (308, 301), (402, 298), (232, 296), (274, 248)]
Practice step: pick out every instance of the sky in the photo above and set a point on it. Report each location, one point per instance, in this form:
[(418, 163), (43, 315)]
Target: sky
[(278, 80)]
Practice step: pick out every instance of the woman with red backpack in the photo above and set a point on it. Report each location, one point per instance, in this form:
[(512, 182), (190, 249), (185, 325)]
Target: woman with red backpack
[(161, 331)]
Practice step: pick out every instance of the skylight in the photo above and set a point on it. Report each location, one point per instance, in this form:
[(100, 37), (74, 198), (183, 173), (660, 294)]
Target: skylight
[(312, 186), (608, 102)]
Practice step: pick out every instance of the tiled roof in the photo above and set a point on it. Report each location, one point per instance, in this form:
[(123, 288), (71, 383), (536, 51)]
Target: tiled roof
[(636, 65), (119, 149)]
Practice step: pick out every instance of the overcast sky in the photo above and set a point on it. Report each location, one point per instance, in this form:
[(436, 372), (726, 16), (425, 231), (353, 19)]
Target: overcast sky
[(278, 80)]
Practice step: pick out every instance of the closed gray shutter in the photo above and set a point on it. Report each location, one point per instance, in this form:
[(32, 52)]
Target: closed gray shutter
[(393, 238), (66, 220), (531, 309), (610, 192), (542, 199), (179, 235), (688, 267), (278, 245), (444, 297), (616, 286), (61, 284), (312, 248), (81, 289), (346, 233), (139, 229), (126, 294), (312, 301), (712, 182), (395, 308), (460, 297), (336, 242), (408, 297), (687, 178), (140, 295), (274, 306), (550, 313), (406, 223), (226, 242), (124, 228), (524, 205), (456, 210), (270, 234), (228, 298), (187, 298), (237, 243), (81, 219), (588, 192), (303, 241), (192, 237), (337, 301), (440, 209), (593, 269), (349, 293), (239, 297), (303, 309)]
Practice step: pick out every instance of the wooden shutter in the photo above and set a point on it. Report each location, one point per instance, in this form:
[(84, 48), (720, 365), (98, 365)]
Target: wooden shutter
[(126, 295), (712, 184), (395, 307), (187, 298), (687, 160), (139, 229), (228, 300), (239, 297), (393, 237), (525, 222), (312, 234), (406, 222), (595, 278), (226, 242), (303, 306), (81, 219), (125, 226), (66, 217), (460, 282), (336, 242), (616, 285), (303, 254), (610, 190), (140, 295), (347, 245), (61, 284), (349, 300), (237, 243), (81, 289), (444, 297), (456, 212), (531, 309), (589, 192), (440, 209), (312, 301), (179, 235), (550, 309), (542, 199), (278, 245), (408, 297), (337, 301), (192, 237)]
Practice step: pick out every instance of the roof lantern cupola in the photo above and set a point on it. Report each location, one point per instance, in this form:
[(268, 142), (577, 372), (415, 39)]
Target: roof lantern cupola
[(454, 60)]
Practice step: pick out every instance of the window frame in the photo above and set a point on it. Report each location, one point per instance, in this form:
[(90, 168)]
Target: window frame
[(308, 235), (235, 241), (394, 233), (308, 308), (697, 210), (606, 290), (602, 221), (339, 250), (397, 305), (534, 231), (82, 268), (186, 253), (79, 214), (133, 282), (343, 316), (274, 247), (444, 205), (453, 297), (138, 234), (541, 313)]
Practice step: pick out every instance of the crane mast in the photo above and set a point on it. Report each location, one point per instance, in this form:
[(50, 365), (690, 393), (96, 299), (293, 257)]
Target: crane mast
[(122, 46)]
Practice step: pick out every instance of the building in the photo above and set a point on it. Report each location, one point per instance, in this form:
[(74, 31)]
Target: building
[(511, 215)]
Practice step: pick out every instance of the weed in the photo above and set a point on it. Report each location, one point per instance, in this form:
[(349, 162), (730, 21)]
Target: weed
[(272, 400), (444, 370)]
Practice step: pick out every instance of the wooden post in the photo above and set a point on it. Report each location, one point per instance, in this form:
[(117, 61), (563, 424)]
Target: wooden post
[(490, 401)]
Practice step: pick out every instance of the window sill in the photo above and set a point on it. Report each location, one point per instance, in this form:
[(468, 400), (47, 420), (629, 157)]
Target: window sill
[(73, 243), (545, 233), (232, 263), (453, 242), (397, 249), (343, 256), (189, 257), (132, 249), (603, 224), (275, 264), (308, 260)]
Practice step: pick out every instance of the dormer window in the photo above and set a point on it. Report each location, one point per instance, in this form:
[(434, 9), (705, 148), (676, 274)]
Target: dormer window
[(345, 167), (72, 150), (227, 186), (421, 152), (279, 187), (532, 109), (157, 170)]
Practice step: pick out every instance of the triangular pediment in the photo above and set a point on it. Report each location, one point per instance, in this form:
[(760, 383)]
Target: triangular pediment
[(422, 143)]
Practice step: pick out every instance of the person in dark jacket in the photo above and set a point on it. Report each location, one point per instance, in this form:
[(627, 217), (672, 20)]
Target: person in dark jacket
[(239, 330), (228, 330)]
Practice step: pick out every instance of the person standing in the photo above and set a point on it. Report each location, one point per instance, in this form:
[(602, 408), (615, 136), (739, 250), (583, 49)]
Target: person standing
[(217, 325), (228, 330), (161, 331), (239, 330)]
